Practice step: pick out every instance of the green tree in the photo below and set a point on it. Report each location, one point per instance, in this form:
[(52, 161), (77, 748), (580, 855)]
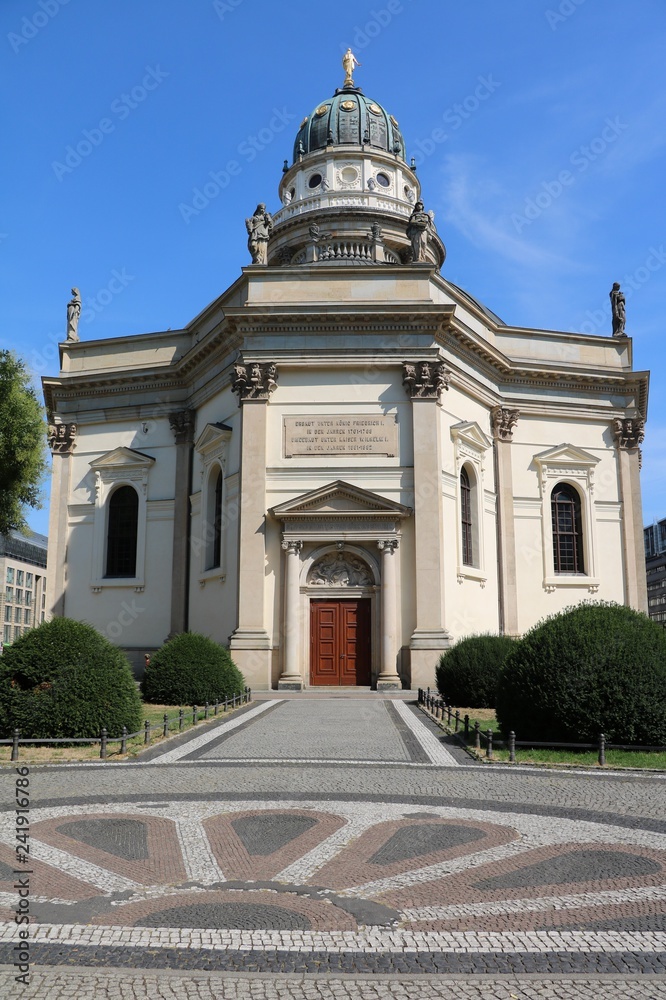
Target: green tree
[(22, 428)]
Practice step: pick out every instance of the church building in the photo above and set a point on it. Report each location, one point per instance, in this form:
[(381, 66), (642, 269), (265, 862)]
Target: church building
[(345, 463)]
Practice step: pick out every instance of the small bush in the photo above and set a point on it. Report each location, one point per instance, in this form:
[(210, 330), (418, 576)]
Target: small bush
[(191, 669), (467, 674), (64, 679), (595, 668)]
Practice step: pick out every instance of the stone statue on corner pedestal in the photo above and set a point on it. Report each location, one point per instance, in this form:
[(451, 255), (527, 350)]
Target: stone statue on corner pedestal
[(618, 310), (419, 228), (73, 313), (259, 229)]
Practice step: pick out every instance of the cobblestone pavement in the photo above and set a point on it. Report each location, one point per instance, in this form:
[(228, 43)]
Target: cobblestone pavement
[(88, 984), (344, 838)]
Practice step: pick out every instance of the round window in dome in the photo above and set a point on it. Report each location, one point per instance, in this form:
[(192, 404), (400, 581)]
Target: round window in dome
[(322, 110), (376, 110), (384, 180), (349, 175), (314, 181), (348, 105)]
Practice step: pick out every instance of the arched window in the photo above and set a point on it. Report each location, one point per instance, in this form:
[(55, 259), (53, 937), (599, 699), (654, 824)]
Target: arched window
[(123, 522), (567, 530), (466, 518), (217, 522)]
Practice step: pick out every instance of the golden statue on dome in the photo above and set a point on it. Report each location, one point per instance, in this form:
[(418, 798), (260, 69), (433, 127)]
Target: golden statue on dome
[(349, 62)]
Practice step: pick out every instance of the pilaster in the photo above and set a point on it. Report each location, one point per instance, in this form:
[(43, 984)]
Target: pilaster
[(62, 440), (182, 425), (424, 383), (629, 435), (503, 421), (250, 641)]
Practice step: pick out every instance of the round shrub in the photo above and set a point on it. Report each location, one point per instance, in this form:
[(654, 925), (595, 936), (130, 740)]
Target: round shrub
[(594, 668), (467, 674), (63, 679), (191, 669)]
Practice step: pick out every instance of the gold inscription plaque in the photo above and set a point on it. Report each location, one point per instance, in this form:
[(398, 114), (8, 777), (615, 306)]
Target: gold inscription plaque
[(341, 434)]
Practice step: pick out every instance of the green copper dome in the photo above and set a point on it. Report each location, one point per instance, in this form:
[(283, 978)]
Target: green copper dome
[(349, 118)]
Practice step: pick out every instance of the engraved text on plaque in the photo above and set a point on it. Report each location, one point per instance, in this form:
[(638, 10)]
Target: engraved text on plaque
[(349, 434)]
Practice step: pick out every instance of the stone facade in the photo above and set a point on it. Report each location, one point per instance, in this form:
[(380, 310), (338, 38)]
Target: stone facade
[(346, 432)]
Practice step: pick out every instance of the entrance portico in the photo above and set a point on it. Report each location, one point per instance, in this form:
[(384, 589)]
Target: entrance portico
[(341, 547)]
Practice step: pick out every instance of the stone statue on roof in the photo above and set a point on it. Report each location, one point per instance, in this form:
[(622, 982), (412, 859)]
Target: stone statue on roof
[(618, 310), (73, 313)]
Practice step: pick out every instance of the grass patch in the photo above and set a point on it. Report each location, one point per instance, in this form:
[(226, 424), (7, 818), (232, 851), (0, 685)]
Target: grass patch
[(568, 758), (55, 754)]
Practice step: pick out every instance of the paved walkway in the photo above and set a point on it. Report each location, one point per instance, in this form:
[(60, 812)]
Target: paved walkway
[(343, 846)]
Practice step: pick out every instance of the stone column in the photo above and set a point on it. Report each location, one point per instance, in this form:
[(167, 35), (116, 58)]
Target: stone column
[(629, 435), (250, 641), (388, 679), (291, 678), (62, 438), (182, 424), (503, 421), (424, 383)]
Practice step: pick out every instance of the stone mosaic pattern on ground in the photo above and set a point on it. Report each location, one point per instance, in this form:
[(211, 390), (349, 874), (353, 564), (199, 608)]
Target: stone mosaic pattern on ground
[(411, 867)]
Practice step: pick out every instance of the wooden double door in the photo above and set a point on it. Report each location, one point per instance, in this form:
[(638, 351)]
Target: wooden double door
[(340, 642)]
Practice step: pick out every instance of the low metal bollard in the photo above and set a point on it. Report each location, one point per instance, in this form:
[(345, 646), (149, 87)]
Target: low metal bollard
[(489, 744), (512, 747), (181, 719), (477, 735), (215, 707), (457, 725), (234, 701), (448, 715), (123, 740), (206, 710), (195, 714), (466, 727), (165, 725), (103, 736), (602, 750), (15, 744), (226, 704), (146, 731)]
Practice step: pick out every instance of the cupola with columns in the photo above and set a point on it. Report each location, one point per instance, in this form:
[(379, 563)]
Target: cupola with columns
[(349, 196)]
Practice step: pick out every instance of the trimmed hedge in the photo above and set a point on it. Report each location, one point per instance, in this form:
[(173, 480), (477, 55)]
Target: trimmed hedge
[(594, 668), (191, 669), (63, 679), (467, 674)]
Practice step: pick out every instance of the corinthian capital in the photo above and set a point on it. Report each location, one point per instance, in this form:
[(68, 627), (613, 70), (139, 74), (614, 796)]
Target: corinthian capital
[(629, 433), (254, 381), (62, 438), (182, 424), (423, 380), (503, 421)]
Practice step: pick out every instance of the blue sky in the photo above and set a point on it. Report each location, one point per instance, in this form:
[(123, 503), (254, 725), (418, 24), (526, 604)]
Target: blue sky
[(538, 127)]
